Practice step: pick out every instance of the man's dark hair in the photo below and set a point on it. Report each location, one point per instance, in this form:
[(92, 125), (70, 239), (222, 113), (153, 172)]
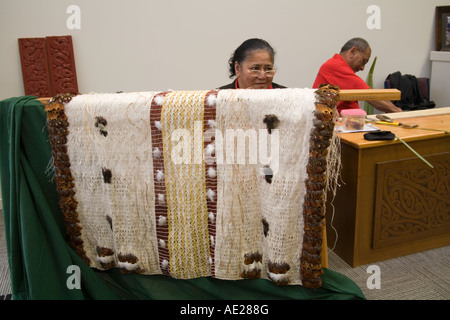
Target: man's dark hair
[(359, 43)]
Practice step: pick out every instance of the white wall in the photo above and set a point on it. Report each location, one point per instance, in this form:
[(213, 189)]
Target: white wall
[(152, 45), (146, 45)]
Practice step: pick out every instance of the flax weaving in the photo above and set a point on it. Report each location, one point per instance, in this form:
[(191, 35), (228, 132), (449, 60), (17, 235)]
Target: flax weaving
[(227, 184)]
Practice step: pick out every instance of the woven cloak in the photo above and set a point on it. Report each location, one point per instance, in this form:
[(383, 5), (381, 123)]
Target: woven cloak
[(227, 183)]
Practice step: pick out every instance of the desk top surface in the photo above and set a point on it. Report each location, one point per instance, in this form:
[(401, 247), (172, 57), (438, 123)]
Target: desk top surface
[(426, 119)]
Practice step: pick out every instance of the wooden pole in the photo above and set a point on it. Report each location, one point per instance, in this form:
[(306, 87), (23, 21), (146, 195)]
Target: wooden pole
[(346, 95), (369, 95)]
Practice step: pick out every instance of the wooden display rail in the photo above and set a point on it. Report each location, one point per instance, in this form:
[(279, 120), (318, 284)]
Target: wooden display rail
[(369, 95), (346, 95), (43, 100)]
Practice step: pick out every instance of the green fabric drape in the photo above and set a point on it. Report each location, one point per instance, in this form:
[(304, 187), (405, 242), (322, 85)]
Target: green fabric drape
[(39, 256)]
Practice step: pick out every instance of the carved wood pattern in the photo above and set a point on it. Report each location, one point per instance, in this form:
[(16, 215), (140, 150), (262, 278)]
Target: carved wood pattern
[(48, 66), (412, 200), (62, 64), (33, 58)]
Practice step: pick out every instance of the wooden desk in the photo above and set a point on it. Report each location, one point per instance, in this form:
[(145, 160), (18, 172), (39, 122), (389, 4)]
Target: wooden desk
[(390, 202)]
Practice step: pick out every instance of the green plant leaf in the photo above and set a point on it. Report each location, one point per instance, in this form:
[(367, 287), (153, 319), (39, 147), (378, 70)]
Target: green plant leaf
[(367, 106)]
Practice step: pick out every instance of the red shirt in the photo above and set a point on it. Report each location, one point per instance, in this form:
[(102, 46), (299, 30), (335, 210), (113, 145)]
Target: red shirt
[(337, 72)]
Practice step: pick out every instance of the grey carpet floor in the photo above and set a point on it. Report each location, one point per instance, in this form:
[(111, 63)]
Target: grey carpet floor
[(420, 276)]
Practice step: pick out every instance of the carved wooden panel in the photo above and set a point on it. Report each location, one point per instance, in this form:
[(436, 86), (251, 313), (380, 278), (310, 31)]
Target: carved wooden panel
[(412, 200), (33, 58), (62, 64)]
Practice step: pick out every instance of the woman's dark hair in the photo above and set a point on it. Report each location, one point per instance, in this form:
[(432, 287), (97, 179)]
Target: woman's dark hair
[(248, 46)]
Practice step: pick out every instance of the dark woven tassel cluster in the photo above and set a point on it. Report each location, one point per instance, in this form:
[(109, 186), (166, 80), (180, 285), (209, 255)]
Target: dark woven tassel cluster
[(314, 204), (249, 259), (129, 258), (57, 125)]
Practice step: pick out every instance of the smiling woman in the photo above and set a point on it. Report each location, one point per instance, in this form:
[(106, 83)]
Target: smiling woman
[(253, 66)]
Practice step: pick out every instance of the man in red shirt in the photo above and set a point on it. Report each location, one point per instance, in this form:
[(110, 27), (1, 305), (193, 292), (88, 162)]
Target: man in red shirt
[(341, 70)]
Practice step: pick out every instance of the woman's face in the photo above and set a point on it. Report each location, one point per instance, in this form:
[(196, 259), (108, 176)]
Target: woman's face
[(256, 72)]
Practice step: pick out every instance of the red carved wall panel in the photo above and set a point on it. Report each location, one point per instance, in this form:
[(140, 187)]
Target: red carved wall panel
[(48, 66), (62, 64), (33, 58)]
